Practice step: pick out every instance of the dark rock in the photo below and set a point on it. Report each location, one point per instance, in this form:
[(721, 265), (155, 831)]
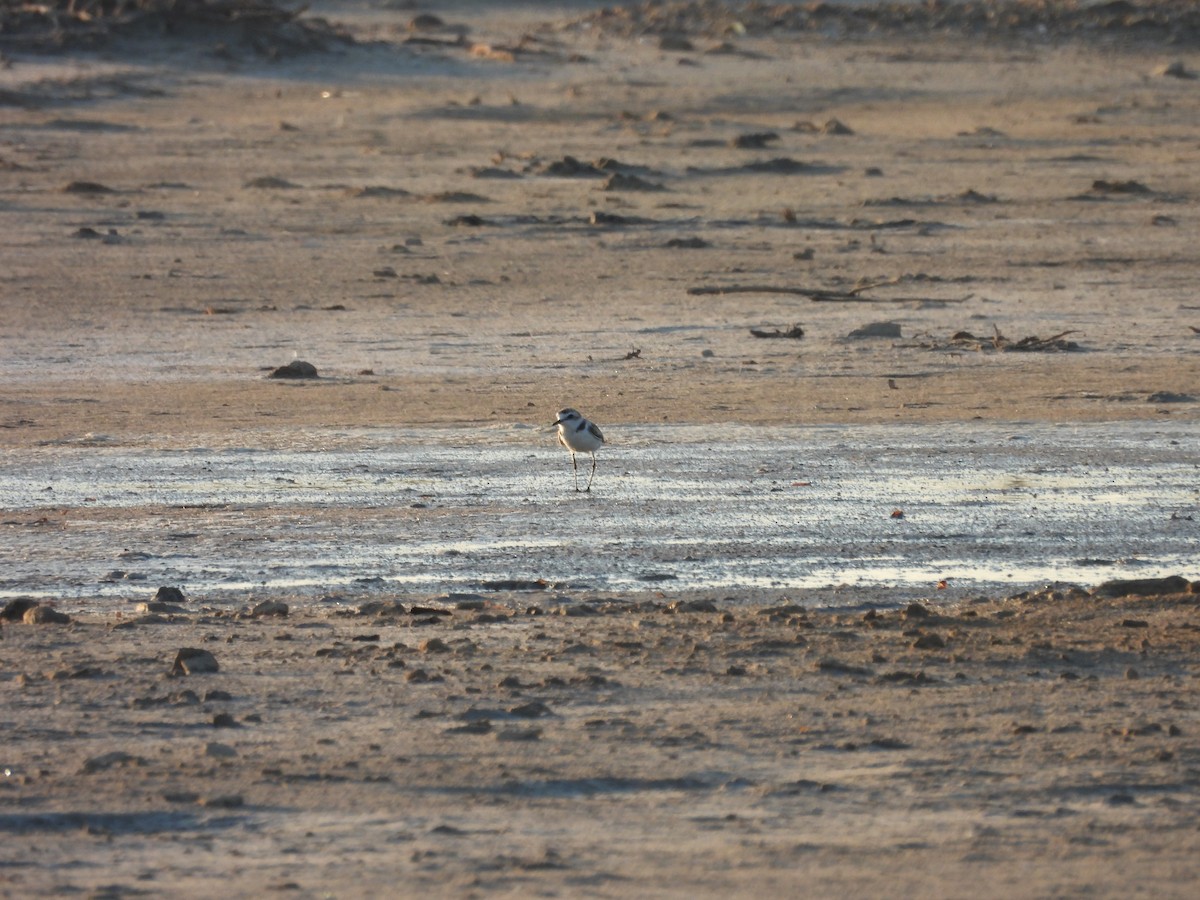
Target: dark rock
[(835, 126), (619, 181), (270, 182), (110, 760), (297, 368), (685, 606), (191, 661), (519, 734), (929, 641), (754, 141), (45, 615), (876, 330), (269, 608), (14, 610), (532, 710), (87, 187), (155, 607), (224, 801), (1142, 587), (169, 595)]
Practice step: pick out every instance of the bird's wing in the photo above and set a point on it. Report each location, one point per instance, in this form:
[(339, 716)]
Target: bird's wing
[(595, 432)]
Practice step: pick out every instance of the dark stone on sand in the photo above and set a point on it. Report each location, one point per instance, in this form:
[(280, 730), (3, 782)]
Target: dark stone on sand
[(915, 611), (618, 181), (1170, 397), (433, 645), (45, 615), (169, 595), (110, 760), (754, 141), (155, 607), (519, 734), (876, 330), (270, 182), (14, 610), (907, 679), (86, 187), (382, 608), (570, 167), (675, 43), (224, 720), (533, 710), (224, 801), (679, 606), (192, 661), (270, 608), (931, 641), (837, 667), (1143, 587), (297, 368), (514, 584), (607, 219)]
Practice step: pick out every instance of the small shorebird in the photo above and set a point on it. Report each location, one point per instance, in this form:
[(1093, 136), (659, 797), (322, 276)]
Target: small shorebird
[(579, 435)]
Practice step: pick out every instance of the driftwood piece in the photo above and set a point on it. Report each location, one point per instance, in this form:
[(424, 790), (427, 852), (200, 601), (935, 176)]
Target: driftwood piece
[(817, 295), (795, 332)]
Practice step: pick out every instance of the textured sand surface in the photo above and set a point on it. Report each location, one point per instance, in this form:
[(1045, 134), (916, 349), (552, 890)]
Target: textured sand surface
[(433, 225)]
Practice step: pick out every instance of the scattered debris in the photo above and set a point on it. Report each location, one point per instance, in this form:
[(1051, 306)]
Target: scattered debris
[(965, 340)]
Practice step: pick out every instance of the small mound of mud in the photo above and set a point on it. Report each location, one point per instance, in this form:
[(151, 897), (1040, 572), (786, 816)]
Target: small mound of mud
[(1170, 21), (258, 26)]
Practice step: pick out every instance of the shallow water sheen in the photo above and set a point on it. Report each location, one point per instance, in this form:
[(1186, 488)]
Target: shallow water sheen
[(673, 508)]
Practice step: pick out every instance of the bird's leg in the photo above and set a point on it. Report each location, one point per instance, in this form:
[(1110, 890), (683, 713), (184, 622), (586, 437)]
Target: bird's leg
[(593, 475), (575, 469)]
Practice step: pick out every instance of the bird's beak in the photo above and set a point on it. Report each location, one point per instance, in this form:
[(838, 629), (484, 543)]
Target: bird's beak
[(555, 424)]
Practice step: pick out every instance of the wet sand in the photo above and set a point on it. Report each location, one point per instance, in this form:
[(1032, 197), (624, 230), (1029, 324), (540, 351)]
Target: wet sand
[(439, 227)]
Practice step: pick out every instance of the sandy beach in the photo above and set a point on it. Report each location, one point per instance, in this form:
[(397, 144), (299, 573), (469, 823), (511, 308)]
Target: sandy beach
[(845, 289)]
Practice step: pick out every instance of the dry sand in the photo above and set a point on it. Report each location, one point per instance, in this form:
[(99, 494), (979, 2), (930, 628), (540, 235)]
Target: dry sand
[(1007, 188)]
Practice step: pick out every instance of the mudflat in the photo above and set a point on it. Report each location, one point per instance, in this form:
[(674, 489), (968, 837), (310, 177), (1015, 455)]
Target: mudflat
[(465, 224)]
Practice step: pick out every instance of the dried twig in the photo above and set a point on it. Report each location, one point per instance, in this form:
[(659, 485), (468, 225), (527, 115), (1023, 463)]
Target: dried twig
[(818, 295)]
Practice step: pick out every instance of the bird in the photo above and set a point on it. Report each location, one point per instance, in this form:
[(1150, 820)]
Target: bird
[(579, 435)]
